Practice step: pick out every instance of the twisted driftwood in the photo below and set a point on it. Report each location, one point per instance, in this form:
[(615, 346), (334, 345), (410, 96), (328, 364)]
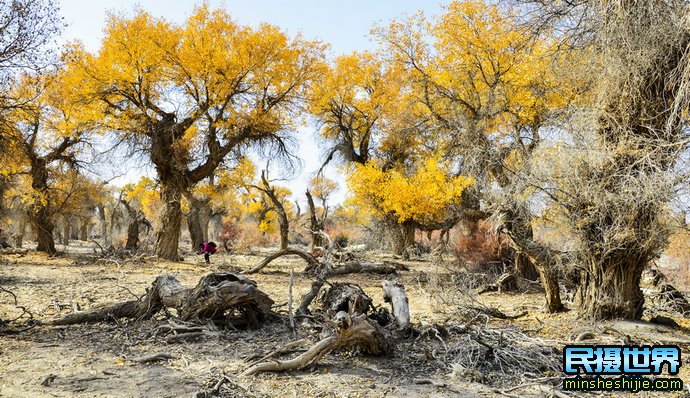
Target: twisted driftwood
[(352, 331)]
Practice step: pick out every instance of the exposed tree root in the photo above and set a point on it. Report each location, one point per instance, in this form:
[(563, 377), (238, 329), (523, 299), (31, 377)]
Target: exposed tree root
[(11, 326), (281, 350)]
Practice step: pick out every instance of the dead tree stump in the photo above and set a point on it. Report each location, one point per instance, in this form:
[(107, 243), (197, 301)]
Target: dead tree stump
[(223, 297), (345, 297)]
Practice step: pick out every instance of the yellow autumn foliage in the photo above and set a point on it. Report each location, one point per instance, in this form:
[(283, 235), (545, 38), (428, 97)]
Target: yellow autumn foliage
[(245, 77), (144, 194), (422, 197)]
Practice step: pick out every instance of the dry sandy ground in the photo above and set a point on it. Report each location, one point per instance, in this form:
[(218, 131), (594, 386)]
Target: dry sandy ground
[(97, 360)]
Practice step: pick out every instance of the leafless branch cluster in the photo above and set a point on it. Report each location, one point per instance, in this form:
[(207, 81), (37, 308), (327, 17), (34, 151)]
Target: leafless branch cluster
[(503, 356), (18, 323)]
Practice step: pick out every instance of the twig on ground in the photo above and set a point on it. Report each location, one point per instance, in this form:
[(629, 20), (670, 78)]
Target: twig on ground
[(4, 324), (152, 358), (281, 350), (182, 336)]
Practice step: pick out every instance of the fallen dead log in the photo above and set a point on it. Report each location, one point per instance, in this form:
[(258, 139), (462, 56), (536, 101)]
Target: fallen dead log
[(356, 331), (222, 296), (308, 257), (282, 350), (362, 267), (394, 293)]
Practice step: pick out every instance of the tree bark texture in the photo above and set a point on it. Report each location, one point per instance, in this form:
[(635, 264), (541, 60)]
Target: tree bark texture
[(66, 230), (611, 289), (84, 230), (283, 221), (402, 237), (394, 293), (168, 234), (104, 226), (20, 231), (39, 211)]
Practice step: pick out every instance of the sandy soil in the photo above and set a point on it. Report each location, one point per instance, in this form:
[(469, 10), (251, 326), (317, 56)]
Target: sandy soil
[(96, 360)]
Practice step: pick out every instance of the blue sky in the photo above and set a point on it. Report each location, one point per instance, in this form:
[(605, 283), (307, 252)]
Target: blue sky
[(344, 25)]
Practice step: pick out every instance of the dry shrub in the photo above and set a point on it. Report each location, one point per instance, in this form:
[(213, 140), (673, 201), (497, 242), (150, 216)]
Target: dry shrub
[(478, 250), (229, 234), (119, 242), (344, 234), (471, 348), (503, 357), (452, 295), (251, 236)]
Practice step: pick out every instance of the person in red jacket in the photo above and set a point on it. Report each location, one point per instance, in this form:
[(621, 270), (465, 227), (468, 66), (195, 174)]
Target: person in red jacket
[(207, 248)]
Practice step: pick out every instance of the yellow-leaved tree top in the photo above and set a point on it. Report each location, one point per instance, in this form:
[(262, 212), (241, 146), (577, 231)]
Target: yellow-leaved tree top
[(421, 196), (190, 94)]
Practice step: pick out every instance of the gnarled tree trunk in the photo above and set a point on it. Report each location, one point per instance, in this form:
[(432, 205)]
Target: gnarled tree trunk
[(611, 289), (524, 267), (316, 225), (40, 212), (402, 237), (197, 220), (546, 262), (168, 234), (84, 230), (132, 234), (104, 226), (283, 221), (44, 231), (66, 230), (20, 231)]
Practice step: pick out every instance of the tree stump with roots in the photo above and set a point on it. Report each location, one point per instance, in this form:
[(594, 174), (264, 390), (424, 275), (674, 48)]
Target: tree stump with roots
[(354, 329)]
